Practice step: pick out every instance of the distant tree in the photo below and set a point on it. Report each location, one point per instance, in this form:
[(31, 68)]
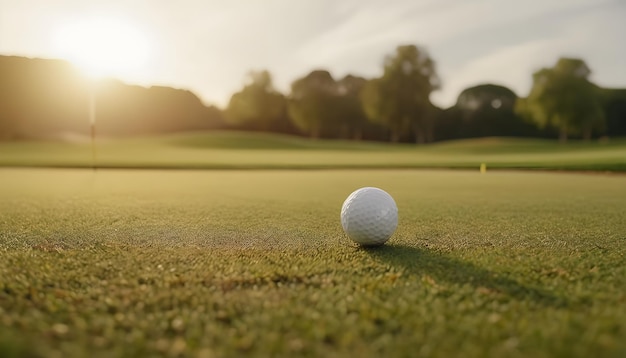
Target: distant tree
[(614, 104), (50, 99), (258, 105), (128, 110), (489, 110), (323, 107), (41, 99), (563, 97), (352, 118), (313, 103), (400, 99)]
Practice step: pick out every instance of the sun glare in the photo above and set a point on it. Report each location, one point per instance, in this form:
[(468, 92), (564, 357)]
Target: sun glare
[(103, 47)]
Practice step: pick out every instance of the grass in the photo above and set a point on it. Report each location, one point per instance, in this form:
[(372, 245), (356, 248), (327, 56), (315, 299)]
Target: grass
[(229, 263), (235, 150)]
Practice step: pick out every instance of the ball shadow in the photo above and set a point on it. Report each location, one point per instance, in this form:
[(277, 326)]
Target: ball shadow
[(420, 262)]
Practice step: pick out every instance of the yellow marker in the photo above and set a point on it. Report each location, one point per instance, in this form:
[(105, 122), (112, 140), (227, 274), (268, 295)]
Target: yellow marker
[(483, 168)]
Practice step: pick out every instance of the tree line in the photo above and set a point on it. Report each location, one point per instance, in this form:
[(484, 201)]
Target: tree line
[(47, 99), (396, 106), (51, 100)]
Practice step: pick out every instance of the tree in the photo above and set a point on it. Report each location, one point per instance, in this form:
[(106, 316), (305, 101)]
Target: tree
[(313, 103), (400, 99), (323, 107), (41, 99), (258, 105), (614, 104), (563, 97), (50, 99), (129, 110), (488, 110), (352, 118)]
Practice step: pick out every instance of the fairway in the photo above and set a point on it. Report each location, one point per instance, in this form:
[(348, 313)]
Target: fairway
[(222, 263), (241, 150)]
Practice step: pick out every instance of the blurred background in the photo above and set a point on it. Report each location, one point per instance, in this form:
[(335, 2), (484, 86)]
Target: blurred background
[(389, 71)]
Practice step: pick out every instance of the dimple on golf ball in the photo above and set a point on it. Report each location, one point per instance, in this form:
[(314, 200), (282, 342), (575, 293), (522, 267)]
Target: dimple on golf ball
[(369, 216)]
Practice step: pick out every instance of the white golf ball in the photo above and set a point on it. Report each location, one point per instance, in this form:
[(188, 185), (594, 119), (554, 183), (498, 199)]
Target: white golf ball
[(369, 216)]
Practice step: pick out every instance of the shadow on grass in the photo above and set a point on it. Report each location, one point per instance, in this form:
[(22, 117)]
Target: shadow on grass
[(12, 345), (442, 268)]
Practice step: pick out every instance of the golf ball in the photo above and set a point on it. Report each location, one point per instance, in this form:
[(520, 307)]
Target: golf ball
[(369, 216)]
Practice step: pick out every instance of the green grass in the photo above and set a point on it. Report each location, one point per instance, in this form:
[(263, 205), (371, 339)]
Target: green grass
[(236, 150), (229, 263)]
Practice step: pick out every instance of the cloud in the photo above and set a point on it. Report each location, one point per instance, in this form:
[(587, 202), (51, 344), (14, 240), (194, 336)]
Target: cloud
[(473, 42), (209, 45), (591, 33), (511, 66)]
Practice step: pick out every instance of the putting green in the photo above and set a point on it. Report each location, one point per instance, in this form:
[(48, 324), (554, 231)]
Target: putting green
[(226, 263)]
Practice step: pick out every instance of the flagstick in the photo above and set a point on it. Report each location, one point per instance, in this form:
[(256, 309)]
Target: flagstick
[(92, 122)]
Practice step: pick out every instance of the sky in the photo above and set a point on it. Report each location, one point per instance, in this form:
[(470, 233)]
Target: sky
[(208, 46)]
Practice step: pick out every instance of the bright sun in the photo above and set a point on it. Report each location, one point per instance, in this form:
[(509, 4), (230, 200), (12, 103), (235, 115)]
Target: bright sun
[(103, 47)]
